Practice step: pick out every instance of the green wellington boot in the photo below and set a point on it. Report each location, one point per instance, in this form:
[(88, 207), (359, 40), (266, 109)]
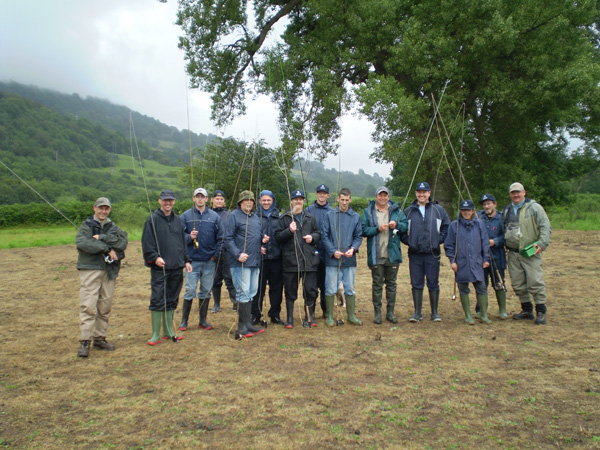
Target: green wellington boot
[(329, 299), (501, 297), (351, 310), (167, 323), (464, 300), (155, 339), (483, 306)]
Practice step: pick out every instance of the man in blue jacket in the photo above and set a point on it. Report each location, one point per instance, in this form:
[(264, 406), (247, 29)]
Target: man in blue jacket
[(492, 218), (202, 227), (243, 239), (382, 224), (320, 209), (427, 228), (341, 237)]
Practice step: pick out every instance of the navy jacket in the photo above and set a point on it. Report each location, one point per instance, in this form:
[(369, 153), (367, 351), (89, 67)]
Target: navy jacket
[(495, 232), (268, 227), (243, 235), (320, 213), (296, 254), (468, 246), (163, 236), (210, 239), (341, 231), (425, 235)]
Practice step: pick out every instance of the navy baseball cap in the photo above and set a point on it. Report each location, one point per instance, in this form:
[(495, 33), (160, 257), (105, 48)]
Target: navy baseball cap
[(218, 193), (423, 186), (297, 193), (322, 188), (167, 195), (467, 204), (486, 197)]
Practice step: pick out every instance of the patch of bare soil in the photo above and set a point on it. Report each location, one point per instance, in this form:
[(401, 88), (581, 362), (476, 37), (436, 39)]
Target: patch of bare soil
[(412, 386)]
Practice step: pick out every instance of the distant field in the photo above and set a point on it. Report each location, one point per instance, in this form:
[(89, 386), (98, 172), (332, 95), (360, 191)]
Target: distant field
[(156, 174)]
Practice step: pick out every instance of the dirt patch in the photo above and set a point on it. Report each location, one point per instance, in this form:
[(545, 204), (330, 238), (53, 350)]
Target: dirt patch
[(413, 386)]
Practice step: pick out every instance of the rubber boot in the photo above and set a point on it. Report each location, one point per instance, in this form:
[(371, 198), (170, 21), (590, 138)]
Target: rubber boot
[(167, 323), (418, 302), (203, 324), (249, 326), (540, 310), (477, 308), (311, 310), (377, 310), (464, 300), (434, 301), (329, 299), (216, 295), (483, 307), (185, 314), (389, 316), (289, 309), (351, 310), (217, 305), (501, 297), (243, 320), (526, 312), (156, 317)]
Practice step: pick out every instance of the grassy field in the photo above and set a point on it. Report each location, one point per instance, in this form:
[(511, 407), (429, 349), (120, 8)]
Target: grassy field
[(506, 385)]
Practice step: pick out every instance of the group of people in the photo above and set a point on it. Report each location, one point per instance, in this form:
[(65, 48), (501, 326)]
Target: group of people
[(256, 245)]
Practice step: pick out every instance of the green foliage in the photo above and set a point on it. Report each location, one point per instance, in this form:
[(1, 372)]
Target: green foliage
[(511, 92), (582, 212)]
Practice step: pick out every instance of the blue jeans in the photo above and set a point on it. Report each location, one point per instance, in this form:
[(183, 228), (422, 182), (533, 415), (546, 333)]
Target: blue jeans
[(245, 281), (333, 277), (203, 271)]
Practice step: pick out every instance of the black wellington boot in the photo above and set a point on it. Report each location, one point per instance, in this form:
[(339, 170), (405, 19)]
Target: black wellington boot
[(203, 324), (185, 314), (434, 301), (243, 311), (289, 309), (418, 302)]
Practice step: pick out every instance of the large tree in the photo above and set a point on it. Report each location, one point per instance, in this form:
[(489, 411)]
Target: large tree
[(518, 78)]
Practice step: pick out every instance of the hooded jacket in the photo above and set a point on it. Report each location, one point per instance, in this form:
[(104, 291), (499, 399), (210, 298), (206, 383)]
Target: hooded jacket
[(495, 232), (468, 244), (531, 224), (92, 251), (268, 227), (243, 235), (370, 230)]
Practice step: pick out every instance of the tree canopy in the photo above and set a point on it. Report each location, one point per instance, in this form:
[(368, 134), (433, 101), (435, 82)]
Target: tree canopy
[(519, 78)]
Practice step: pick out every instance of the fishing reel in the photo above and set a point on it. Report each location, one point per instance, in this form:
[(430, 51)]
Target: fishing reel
[(196, 244), (339, 322)]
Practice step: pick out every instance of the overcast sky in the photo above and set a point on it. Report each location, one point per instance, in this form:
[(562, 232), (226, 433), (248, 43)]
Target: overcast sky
[(126, 52)]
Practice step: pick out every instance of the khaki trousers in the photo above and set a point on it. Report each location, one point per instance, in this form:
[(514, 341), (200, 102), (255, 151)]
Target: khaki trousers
[(95, 302), (527, 277)]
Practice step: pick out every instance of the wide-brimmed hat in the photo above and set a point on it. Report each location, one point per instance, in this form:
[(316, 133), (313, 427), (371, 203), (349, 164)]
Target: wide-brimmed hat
[(246, 195)]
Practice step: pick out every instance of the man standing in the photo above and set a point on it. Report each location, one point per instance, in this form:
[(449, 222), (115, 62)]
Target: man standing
[(320, 209), (341, 236), (298, 235), (428, 226), (203, 236), (100, 247), (382, 224), (492, 219), (271, 271), (165, 252), (222, 270), (526, 235), (243, 241)]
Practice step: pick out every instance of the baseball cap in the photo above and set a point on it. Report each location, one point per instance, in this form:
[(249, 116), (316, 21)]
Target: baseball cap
[(297, 193), (322, 188), (467, 204), (516, 187), (201, 191), (102, 201), (218, 193), (486, 197), (382, 189), (423, 186), (167, 195)]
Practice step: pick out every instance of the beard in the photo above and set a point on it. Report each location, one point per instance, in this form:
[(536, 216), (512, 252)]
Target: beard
[(296, 209)]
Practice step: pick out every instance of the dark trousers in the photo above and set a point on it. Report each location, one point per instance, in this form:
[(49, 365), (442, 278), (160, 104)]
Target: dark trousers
[(321, 275), (223, 273), (271, 273), (384, 273), (309, 283), (423, 265), (493, 274), (480, 288), (165, 288)]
